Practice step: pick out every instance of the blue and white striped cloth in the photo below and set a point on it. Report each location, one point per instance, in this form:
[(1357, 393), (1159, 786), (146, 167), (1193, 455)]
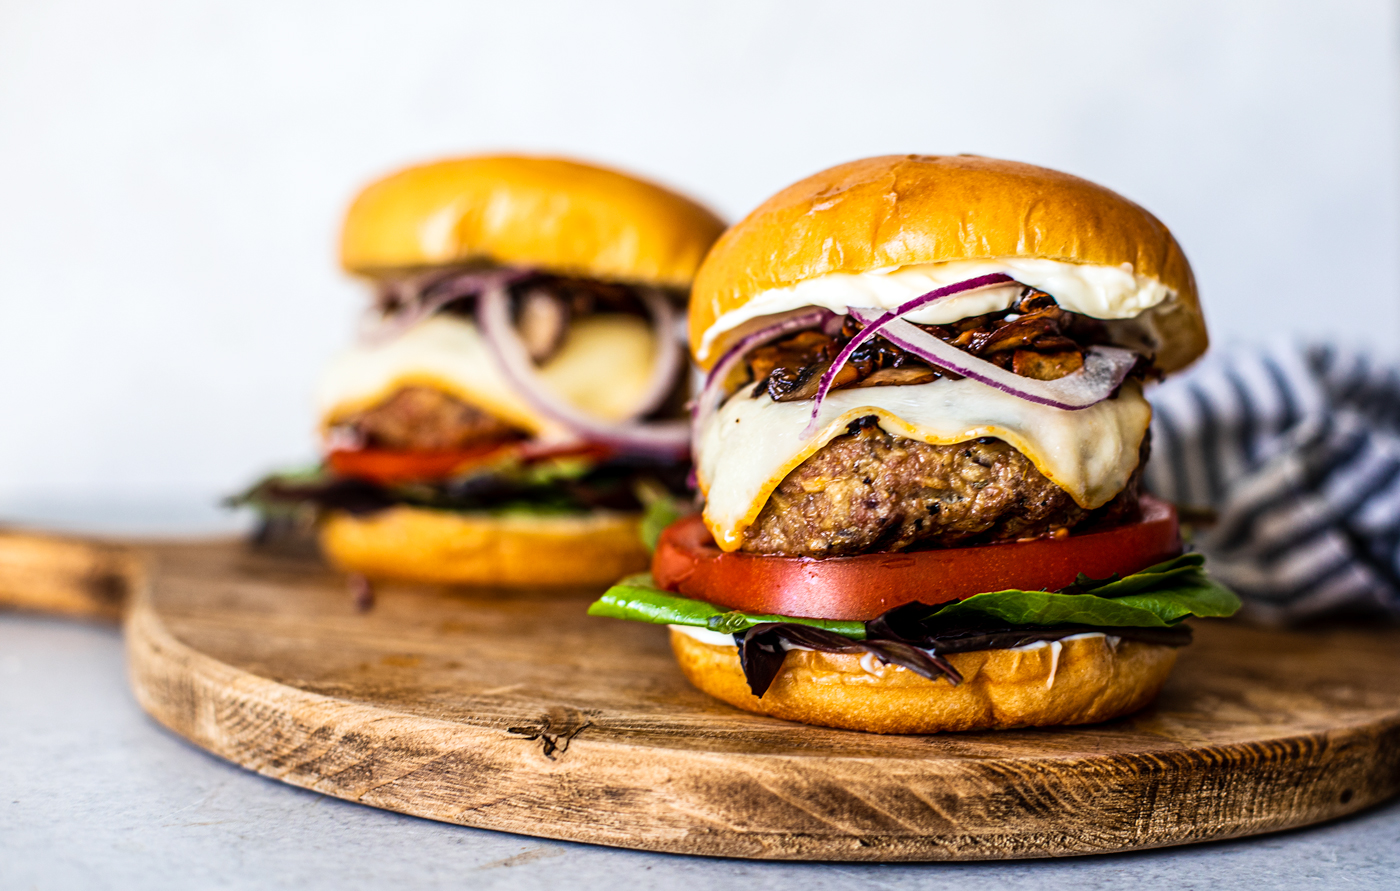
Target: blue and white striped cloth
[(1296, 450)]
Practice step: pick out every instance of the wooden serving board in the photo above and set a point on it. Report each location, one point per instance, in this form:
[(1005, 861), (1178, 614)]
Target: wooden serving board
[(514, 711)]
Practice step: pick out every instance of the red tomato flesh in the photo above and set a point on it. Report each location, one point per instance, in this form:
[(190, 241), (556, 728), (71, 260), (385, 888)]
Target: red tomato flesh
[(688, 562), (388, 467)]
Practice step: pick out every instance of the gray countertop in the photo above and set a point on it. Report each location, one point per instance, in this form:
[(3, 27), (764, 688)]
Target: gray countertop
[(96, 795)]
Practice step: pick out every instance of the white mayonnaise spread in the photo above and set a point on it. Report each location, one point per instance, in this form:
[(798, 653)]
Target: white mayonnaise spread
[(871, 664), (602, 368), (1103, 292), (1085, 635), (705, 635), (752, 443), (1057, 646)]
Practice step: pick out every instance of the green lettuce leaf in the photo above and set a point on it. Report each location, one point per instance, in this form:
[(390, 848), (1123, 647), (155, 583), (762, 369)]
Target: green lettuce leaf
[(1156, 597), (637, 598), (258, 496), (659, 510)]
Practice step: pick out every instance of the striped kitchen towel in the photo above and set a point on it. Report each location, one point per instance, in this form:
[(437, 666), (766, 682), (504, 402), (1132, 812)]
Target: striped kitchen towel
[(1295, 453)]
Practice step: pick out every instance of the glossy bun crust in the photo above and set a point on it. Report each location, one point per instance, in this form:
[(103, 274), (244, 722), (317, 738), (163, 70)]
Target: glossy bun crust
[(545, 213), (902, 210), (1089, 681), (465, 549)]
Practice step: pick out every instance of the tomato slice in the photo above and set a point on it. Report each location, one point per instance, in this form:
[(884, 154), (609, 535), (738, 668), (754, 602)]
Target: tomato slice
[(389, 467), (688, 562)]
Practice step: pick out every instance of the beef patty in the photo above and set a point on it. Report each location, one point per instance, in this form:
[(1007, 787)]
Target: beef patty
[(425, 419), (868, 491)]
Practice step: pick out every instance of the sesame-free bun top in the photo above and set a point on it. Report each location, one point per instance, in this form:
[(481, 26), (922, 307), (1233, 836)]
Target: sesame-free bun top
[(545, 213), (903, 210)]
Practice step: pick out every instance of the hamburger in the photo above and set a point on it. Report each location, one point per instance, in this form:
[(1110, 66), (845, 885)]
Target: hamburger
[(920, 445), (517, 393)]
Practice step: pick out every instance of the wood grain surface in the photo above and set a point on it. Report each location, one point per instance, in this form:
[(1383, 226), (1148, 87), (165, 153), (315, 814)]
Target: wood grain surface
[(514, 711), (65, 576)]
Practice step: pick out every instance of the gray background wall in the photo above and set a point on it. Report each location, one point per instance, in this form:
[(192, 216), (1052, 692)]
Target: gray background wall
[(172, 174)]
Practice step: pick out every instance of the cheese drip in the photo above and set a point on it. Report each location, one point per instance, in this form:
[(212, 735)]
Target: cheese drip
[(752, 443), (602, 368)]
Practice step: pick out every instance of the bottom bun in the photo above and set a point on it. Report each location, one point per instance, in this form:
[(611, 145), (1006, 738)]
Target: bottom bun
[(480, 549), (1078, 681)]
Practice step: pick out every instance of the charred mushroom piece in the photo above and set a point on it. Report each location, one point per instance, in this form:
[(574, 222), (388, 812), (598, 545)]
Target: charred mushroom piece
[(543, 321), (1046, 366), (793, 384), (1018, 334), (796, 384), (792, 354), (903, 375)]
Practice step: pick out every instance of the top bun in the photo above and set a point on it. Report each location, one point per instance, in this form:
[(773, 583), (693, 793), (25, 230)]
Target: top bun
[(903, 210), (545, 213)]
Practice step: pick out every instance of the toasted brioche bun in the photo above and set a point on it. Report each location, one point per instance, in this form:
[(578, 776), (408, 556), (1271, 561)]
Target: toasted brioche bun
[(466, 549), (903, 210), (546, 213), (1087, 681)]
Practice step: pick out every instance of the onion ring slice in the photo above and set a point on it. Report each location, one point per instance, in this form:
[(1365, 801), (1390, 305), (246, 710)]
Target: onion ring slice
[(1103, 372), (874, 326), (667, 438)]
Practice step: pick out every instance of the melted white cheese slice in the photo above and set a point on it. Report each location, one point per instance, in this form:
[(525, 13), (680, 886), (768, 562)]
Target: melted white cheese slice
[(751, 444), (601, 368)]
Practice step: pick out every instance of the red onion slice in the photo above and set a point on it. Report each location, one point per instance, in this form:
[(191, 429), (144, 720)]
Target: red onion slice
[(708, 402), (668, 361), (665, 439), (426, 294), (875, 325), (432, 296), (1104, 368)]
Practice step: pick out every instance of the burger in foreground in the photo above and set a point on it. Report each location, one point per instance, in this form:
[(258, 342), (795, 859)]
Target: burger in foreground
[(518, 390), (920, 445)]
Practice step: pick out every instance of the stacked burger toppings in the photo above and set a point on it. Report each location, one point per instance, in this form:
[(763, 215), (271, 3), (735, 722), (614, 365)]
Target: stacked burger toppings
[(507, 435), (868, 490), (516, 395), (919, 444)]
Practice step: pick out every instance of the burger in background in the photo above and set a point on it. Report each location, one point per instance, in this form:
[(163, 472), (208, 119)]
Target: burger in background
[(517, 394), (920, 444)]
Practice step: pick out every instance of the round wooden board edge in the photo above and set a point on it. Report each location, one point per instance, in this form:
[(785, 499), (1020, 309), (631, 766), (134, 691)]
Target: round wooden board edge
[(364, 754), (64, 575)]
